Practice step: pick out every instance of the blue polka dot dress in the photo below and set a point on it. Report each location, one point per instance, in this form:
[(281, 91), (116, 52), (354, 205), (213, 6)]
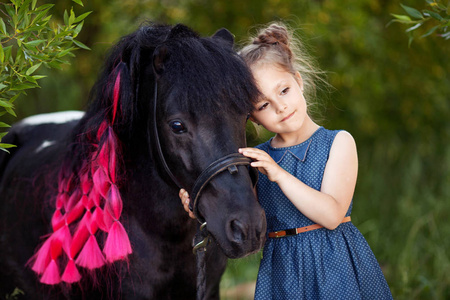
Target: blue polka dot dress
[(318, 264)]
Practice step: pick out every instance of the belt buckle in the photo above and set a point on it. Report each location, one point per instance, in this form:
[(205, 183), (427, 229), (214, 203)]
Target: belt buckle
[(292, 231)]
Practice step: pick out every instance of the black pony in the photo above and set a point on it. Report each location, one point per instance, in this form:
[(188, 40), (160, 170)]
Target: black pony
[(89, 208)]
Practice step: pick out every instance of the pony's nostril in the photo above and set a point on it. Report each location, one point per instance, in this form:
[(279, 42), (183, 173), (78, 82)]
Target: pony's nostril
[(237, 231)]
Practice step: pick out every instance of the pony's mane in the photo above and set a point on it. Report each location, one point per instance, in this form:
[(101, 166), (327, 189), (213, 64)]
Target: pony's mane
[(89, 205)]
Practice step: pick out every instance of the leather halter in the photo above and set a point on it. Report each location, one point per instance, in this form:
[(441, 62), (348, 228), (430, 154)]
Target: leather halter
[(228, 162)]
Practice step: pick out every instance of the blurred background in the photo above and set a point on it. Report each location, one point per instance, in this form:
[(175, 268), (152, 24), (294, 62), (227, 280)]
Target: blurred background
[(392, 97)]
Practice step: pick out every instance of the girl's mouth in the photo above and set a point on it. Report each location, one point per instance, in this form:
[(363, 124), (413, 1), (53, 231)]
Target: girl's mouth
[(288, 117)]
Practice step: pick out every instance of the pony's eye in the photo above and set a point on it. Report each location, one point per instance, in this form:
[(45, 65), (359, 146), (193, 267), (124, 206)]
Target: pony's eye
[(177, 126)]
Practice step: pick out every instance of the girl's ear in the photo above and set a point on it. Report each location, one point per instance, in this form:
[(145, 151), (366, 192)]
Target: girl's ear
[(299, 79), (253, 119)]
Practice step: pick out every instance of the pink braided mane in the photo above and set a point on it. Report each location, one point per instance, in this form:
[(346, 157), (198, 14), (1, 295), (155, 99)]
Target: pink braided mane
[(87, 204)]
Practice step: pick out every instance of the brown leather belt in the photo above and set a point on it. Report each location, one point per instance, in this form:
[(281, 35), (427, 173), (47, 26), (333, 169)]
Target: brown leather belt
[(294, 231)]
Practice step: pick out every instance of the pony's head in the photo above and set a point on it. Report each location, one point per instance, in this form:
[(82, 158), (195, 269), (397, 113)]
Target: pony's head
[(204, 93)]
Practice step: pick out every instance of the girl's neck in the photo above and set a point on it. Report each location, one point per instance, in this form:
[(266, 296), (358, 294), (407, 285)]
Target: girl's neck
[(282, 140)]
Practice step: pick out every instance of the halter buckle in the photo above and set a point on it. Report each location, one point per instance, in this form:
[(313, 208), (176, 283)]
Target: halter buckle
[(201, 246)]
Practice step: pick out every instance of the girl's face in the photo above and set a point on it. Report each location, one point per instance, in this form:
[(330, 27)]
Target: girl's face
[(282, 109)]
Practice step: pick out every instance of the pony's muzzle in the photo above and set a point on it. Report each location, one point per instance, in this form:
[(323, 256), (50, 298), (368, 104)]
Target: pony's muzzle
[(236, 231)]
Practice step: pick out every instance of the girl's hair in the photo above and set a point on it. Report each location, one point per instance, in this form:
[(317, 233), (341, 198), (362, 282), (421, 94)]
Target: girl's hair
[(276, 44)]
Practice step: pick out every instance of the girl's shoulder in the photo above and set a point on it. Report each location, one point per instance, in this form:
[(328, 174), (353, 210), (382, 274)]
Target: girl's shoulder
[(343, 149), (343, 138), (335, 136), (340, 143)]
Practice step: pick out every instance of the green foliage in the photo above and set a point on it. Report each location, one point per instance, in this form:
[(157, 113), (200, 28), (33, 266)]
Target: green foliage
[(438, 17), (29, 40), (15, 294)]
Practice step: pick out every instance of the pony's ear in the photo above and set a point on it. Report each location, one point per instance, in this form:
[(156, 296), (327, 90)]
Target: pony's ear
[(181, 31), (160, 56), (224, 34)]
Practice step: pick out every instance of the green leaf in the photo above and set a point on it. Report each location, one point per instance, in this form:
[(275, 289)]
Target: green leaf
[(433, 14), (2, 145), (45, 7), (10, 9), (430, 31), (32, 69), (77, 30), (78, 2), (3, 26), (35, 42), (72, 17), (5, 104), (10, 111), (7, 145), (23, 86), (2, 86), (413, 27), (446, 36), (442, 6), (14, 98), (5, 150), (82, 17), (54, 65), (81, 45), (7, 51), (33, 5), (410, 40), (2, 54), (36, 77), (23, 9), (39, 16), (65, 52), (401, 17), (412, 12), (66, 18), (2, 124)]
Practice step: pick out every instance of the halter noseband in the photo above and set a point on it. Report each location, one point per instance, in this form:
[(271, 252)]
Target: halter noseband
[(228, 162)]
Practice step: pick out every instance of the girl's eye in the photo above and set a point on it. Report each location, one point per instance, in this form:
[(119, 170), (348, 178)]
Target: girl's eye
[(177, 126), (285, 91), (263, 106)]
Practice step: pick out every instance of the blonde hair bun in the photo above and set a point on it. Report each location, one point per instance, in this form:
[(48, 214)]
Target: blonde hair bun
[(273, 35)]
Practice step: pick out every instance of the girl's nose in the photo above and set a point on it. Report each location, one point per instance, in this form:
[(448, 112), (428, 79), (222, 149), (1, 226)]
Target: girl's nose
[(281, 107)]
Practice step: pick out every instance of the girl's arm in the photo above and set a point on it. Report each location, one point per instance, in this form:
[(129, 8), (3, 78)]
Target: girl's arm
[(328, 206)]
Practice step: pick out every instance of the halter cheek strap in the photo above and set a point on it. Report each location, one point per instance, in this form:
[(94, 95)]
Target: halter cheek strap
[(158, 143)]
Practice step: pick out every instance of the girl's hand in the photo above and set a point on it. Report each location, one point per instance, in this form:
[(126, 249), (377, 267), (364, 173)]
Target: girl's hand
[(184, 196), (264, 163)]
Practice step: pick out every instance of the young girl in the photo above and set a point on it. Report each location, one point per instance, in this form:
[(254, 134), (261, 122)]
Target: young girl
[(313, 251)]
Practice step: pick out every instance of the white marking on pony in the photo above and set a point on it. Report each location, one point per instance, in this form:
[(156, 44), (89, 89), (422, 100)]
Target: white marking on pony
[(45, 144), (54, 118)]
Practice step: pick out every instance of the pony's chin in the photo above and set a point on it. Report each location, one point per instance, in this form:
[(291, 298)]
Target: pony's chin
[(240, 254), (233, 251)]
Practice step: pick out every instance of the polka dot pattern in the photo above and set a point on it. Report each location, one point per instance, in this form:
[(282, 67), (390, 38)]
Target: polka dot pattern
[(318, 264)]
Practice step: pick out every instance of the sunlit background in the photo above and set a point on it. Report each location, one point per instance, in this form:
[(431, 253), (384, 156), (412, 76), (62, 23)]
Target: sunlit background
[(394, 99)]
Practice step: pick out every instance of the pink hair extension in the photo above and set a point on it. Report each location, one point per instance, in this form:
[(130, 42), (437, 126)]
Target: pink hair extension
[(116, 96), (87, 202), (71, 273)]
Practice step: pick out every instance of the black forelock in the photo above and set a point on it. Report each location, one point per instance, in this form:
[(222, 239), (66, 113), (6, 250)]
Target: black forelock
[(207, 74)]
